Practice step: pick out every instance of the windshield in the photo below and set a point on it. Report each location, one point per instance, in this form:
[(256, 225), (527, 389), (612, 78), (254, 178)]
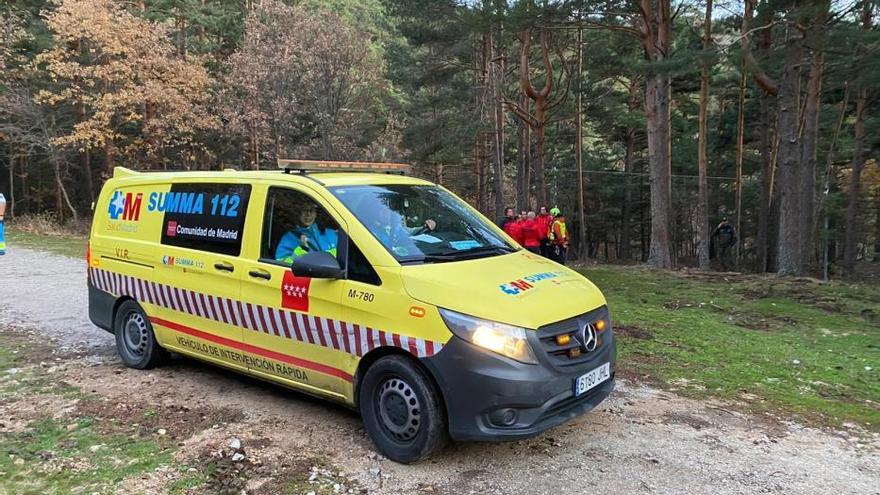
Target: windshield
[(422, 223)]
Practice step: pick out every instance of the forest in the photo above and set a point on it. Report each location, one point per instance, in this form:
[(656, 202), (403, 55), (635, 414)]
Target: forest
[(646, 122)]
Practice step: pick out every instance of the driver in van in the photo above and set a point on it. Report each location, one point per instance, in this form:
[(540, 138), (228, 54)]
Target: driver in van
[(429, 226), (390, 226), (306, 237)]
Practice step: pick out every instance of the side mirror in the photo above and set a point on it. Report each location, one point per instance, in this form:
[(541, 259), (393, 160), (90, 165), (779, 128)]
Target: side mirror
[(317, 264)]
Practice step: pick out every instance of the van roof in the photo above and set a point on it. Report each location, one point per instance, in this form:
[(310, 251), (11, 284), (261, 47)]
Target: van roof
[(326, 179)]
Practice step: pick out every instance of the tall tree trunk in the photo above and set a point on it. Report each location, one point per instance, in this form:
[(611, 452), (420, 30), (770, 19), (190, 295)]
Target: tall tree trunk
[(629, 169), (773, 222), (481, 95), (855, 186), (61, 190), (740, 138), (499, 68), (790, 252), (110, 157), (524, 166), (763, 237), (766, 226), (829, 169), (540, 174), (85, 158), (702, 160), (578, 150), (478, 175), (657, 110), (811, 135), (254, 149), (625, 251), (858, 162), (644, 240), (12, 159), (877, 225), (23, 181)]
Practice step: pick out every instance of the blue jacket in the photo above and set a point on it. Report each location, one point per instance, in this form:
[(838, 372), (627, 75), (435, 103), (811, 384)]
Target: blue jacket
[(290, 247)]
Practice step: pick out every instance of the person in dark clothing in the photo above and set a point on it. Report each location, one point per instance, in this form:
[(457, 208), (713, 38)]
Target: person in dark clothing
[(509, 216), (723, 240)]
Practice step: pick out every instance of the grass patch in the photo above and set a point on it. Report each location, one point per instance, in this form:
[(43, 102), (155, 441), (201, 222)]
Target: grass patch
[(68, 452), (791, 346), (70, 245), (192, 480), (73, 457), (16, 370), (28, 370)]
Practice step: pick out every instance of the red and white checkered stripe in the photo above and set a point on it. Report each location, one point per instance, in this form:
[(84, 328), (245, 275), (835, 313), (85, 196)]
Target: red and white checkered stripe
[(326, 332)]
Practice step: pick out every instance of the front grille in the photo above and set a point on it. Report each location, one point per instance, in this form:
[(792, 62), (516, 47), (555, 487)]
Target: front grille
[(562, 355)]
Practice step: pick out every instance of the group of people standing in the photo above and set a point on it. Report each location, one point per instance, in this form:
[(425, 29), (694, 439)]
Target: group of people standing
[(544, 233)]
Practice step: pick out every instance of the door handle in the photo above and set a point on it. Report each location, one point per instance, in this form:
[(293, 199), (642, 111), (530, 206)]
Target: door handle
[(260, 274), (224, 266)]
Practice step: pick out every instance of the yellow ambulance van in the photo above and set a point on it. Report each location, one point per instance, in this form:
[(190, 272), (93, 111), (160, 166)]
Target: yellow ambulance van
[(356, 283)]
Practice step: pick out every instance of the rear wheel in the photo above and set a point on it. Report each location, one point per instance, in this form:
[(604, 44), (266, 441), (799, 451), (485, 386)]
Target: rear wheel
[(135, 341), (402, 410)]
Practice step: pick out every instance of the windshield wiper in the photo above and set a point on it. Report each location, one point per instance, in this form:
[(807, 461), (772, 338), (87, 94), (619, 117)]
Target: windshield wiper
[(428, 258), (487, 249), (471, 253)]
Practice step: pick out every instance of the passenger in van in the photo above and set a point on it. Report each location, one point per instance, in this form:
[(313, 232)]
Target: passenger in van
[(306, 237)]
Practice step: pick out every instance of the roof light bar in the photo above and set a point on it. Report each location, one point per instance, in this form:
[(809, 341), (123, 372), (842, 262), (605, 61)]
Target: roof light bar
[(304, 166)]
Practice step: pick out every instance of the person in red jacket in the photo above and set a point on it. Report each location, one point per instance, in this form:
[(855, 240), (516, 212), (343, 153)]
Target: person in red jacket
[(511, 225), (532, 233), (544, 220)]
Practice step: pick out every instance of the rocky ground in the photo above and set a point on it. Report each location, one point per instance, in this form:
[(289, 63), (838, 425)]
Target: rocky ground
[(212, 431)]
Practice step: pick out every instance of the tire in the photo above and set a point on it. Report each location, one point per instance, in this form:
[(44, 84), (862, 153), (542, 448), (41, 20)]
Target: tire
[(402, 410), (135, 341)]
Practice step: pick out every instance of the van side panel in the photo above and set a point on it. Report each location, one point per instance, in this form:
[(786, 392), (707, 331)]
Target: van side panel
[(120, 244), (177, 286)]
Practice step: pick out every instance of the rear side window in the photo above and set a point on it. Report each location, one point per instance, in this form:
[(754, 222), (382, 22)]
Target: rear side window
[(203, 216)]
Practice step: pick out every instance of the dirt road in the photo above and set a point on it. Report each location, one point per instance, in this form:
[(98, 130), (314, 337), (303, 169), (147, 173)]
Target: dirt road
[(642, 440)]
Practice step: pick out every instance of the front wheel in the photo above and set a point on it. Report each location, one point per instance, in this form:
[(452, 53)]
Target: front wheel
[(135, 341), (402, 410)]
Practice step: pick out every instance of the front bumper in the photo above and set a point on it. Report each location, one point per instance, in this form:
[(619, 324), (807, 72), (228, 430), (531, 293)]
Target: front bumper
[(481, 388)]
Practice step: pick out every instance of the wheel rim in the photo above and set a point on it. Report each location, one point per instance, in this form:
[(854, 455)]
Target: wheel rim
[(135, 334), (399, 409)]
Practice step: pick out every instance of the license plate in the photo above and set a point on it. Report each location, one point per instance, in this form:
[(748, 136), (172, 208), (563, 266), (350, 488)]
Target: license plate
[(589, 380)]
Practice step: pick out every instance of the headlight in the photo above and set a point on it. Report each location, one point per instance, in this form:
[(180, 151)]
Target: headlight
[(506, 340)]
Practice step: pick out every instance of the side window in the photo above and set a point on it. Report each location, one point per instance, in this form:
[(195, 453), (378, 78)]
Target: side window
[(203, 216), (359, 269), (294, 225)]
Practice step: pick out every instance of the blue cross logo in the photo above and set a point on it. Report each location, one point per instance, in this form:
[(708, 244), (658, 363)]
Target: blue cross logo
[(117, 205)]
